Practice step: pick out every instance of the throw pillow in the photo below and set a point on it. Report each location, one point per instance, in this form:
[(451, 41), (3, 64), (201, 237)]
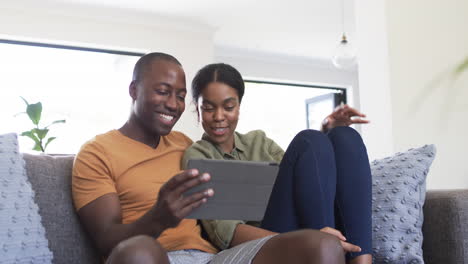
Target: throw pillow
[(22, 236), (50, 177), (398, 194)]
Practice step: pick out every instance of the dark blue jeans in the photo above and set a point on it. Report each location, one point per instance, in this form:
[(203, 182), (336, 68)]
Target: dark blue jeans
[(324, 180)]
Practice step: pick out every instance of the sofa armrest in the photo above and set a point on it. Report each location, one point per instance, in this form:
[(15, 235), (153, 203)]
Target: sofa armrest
[(445, 226)]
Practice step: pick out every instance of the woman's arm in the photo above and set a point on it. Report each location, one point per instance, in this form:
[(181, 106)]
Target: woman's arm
[(275, 151)]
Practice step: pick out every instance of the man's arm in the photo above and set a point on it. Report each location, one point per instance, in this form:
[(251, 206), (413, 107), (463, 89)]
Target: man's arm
[(102, 218)]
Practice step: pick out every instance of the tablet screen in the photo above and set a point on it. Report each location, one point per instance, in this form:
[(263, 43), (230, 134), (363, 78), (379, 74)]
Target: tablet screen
[(241, 189)]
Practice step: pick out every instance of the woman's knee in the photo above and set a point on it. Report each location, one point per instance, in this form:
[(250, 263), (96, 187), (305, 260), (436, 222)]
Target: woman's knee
[(308, 144), (138, 249), (344, 133), (311, 138), (309, 133)]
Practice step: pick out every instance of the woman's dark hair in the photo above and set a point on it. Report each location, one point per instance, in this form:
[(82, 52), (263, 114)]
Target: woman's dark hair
[(217, 72)]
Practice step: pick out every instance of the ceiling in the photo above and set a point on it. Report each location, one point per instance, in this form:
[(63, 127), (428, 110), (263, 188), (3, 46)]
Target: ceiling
[(299, 28)]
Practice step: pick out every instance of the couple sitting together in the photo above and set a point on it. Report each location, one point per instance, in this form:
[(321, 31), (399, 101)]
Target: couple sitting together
[(128, 183)]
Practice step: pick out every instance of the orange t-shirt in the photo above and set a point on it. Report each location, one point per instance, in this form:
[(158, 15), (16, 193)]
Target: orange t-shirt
[(114, 163)]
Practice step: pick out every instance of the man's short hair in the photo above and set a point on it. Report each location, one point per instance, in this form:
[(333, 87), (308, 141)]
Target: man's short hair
[(144, 63)]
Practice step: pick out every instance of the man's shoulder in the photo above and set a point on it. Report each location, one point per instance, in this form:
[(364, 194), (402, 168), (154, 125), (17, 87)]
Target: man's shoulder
[(177, 135), (101, 141), (178, 138)]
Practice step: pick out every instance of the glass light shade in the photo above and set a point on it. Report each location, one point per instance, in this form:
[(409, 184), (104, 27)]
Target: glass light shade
[(345, 55)]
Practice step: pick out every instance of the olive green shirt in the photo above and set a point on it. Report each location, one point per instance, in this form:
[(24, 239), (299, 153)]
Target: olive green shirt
[(253, 146)]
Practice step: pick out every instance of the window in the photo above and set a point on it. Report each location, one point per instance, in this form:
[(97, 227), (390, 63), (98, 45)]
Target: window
[(321, 106), (87, 87), (282, 110)]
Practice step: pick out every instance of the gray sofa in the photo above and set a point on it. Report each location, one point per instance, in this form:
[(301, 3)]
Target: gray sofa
[(445, 225)]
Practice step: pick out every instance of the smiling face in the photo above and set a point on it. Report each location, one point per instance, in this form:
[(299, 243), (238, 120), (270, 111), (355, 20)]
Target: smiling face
[(220, 114), (159, 97)]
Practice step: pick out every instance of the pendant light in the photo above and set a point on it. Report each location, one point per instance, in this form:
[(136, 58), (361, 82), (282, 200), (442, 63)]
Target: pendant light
[(345, 54)]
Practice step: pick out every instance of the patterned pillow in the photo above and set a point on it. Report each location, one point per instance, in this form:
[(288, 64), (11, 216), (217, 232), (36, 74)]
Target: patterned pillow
[(398, 194), (22, 236)]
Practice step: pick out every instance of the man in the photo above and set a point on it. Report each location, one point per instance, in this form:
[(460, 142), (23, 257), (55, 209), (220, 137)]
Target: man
[(131, 204)]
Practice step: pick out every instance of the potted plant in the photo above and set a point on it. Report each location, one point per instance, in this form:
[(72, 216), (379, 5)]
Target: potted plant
[(38, 134)]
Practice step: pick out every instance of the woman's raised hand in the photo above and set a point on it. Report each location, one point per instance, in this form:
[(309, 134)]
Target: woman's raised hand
[(343, 115)]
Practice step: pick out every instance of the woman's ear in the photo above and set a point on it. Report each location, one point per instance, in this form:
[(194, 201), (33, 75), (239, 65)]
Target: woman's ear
[(199, 116), (198, 104)]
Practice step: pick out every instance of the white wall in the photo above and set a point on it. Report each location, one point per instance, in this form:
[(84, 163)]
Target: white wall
[(426, 39), (191, 43), (374, 84)]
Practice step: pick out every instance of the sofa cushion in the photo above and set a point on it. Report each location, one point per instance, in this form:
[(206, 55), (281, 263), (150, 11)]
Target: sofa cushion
[(22, 236), (50, 177), (398, 193), (445, 227)]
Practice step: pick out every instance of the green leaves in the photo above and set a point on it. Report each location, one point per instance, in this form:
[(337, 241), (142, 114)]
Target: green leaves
[(48, 141), (34, 111), (41, 133), (38, 135), (463, 66), (56, 122), (32, 135)]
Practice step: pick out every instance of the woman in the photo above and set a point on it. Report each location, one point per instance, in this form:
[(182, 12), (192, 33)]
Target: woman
[(324, 181)]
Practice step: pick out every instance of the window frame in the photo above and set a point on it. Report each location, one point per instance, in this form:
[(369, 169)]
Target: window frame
[(70, 47)]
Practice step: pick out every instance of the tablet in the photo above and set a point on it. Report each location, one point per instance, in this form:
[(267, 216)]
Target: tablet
[(241, 189)]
